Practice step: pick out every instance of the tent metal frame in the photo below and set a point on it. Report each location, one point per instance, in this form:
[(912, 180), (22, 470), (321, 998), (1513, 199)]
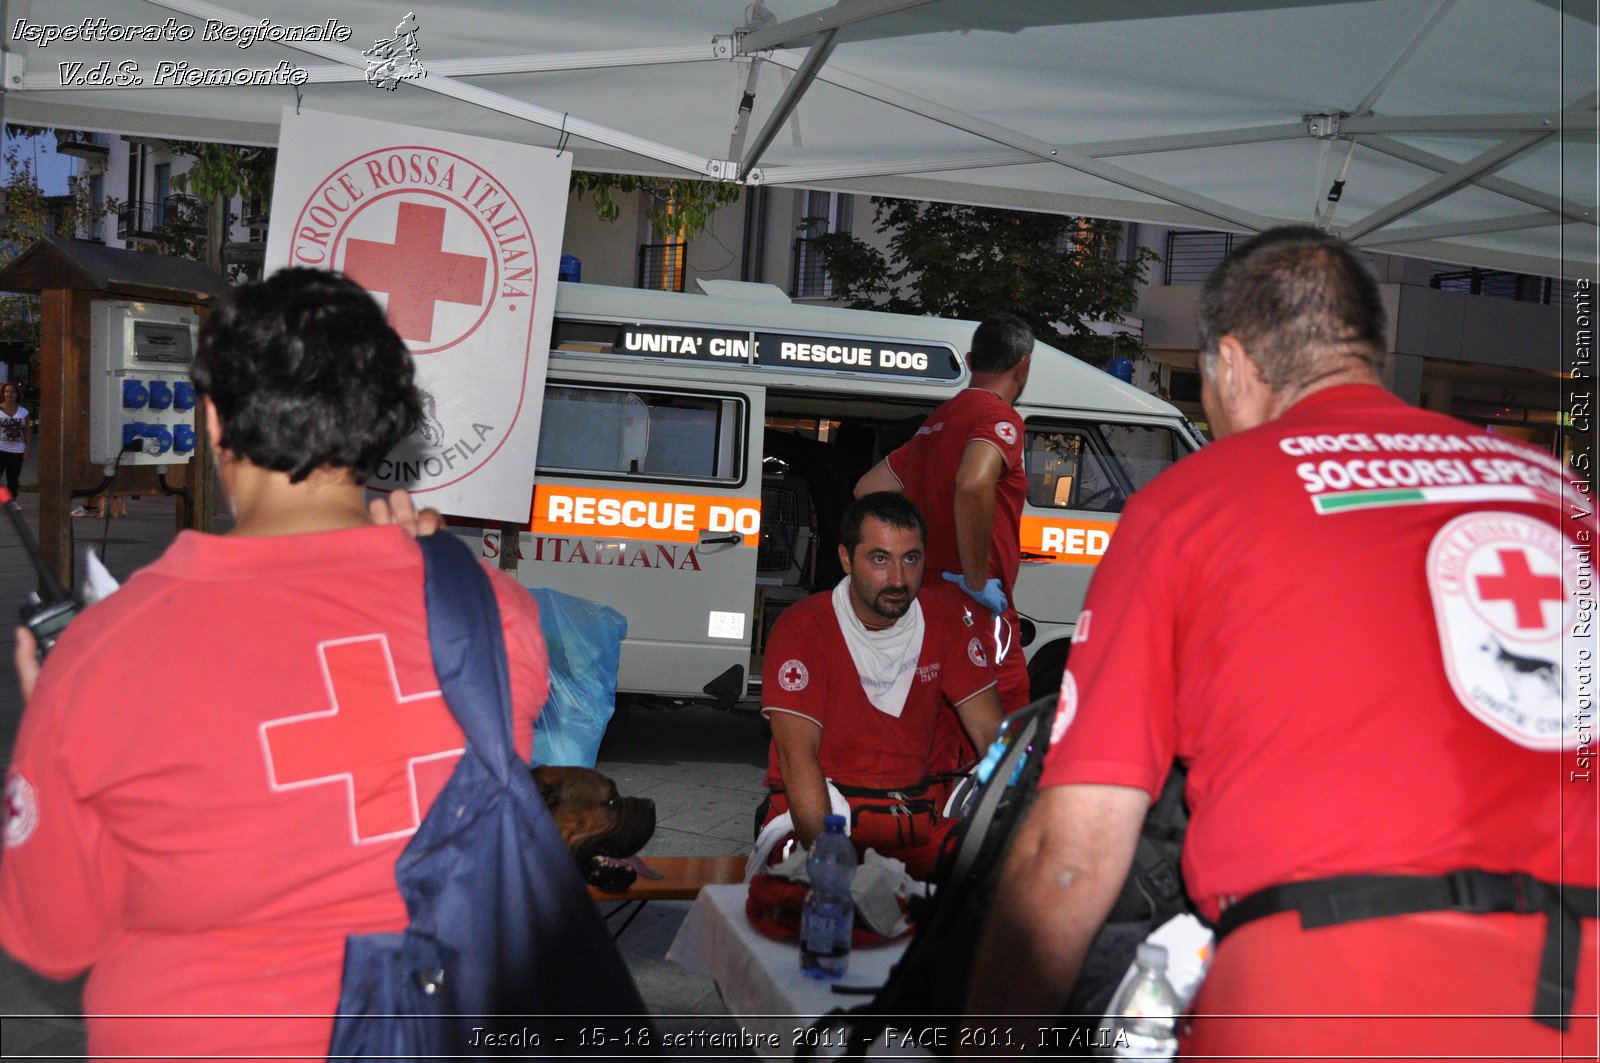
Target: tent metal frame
[(999, 145)]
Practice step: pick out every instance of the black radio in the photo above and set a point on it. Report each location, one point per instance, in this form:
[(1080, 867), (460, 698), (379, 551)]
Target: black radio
[(45, 615)]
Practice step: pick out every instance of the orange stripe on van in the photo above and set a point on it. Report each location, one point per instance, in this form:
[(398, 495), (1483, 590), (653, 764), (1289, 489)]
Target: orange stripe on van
[(1075, 542), (655, 516)]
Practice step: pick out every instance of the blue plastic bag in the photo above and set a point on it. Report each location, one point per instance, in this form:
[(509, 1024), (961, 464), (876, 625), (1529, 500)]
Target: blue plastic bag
[(584, 640)]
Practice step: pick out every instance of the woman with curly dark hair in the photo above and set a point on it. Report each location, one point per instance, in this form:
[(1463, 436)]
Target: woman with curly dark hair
[(203, 834)]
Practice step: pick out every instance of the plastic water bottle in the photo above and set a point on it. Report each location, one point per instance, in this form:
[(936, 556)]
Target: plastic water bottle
[(829, 914), (1144, 1014)]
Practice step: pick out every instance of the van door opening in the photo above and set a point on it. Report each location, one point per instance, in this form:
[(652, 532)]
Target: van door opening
[(816, 447)]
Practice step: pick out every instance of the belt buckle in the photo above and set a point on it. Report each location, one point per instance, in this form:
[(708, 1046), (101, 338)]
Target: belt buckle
[(1479, 892)]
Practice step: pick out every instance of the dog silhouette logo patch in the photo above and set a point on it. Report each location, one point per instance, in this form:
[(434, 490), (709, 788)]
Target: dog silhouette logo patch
[(1504, 595)]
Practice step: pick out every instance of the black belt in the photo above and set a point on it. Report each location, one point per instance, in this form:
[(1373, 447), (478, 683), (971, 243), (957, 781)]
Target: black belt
[(915, 793), (1348, 898)]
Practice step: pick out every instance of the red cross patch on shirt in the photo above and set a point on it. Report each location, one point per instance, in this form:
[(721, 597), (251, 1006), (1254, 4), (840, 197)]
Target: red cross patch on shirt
[(369, 741)]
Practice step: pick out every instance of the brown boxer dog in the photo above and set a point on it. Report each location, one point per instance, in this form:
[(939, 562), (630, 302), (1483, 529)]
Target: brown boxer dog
[(602, 829)]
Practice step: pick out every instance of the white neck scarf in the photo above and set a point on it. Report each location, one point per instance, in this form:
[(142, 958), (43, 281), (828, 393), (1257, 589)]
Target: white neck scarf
[(885, 660)]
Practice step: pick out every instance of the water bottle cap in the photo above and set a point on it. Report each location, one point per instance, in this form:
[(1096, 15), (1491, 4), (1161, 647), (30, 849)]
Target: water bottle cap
[(1152, 955), (833, 823)]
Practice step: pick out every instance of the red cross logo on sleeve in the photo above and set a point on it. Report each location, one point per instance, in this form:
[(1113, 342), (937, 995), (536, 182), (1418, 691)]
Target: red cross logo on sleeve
[(369, 742), (415, 271), (793, 675), (1526, 590)]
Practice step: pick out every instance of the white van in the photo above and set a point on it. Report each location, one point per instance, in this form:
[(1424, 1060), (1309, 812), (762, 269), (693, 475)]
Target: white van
[(697, 452)]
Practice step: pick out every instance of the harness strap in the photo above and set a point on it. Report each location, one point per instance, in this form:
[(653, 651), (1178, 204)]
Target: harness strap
[(1349, 898)]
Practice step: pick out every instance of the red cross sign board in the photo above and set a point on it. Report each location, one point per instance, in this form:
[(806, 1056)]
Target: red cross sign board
[(458, 238)]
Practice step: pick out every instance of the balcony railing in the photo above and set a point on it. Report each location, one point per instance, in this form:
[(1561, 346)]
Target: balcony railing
[(1498, 284), (84, 145), (661, 266), (811, 279), (147, 219), (1192, 256)]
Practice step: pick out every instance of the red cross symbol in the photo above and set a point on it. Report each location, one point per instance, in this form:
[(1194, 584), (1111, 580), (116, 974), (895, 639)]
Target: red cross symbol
[(370, 741), (792, 675), (415, 271), (1526, 590)]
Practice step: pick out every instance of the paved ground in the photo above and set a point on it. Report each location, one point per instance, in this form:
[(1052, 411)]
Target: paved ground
[(703, 768)]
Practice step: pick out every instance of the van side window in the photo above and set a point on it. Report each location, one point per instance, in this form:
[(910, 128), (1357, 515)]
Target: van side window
[(1095, 467), (650, 435)]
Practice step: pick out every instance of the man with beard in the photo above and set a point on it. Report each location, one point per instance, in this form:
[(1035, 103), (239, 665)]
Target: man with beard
[(964, 470), (853, 686)]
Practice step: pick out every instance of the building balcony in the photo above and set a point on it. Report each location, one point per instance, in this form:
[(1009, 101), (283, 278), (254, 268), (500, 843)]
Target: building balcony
[(661, 266), (84, 145), (1499, 284), (810, 279), (150, 219)]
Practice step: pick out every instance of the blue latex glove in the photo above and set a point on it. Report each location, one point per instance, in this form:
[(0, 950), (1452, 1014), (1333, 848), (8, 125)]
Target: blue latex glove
[(991, 597)]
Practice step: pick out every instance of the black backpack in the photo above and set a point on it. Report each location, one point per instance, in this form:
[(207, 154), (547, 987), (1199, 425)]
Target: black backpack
[(927, 989)]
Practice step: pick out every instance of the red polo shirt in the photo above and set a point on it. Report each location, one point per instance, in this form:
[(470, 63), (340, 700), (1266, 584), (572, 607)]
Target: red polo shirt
[(215, 776), (926, 466)]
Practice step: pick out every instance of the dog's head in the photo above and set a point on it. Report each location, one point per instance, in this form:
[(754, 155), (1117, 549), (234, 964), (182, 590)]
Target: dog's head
[(601, 828)]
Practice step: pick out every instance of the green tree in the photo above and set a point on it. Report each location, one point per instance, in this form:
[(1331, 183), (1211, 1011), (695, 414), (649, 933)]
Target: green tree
[(1056, 272), (28, 215), (676, 208), (217, 173)]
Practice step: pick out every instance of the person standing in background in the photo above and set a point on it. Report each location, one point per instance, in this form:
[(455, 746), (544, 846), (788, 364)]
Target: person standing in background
[(13, 434), (964, 471)]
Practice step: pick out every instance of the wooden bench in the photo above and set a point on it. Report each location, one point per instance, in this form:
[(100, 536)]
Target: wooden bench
[(682, 879)]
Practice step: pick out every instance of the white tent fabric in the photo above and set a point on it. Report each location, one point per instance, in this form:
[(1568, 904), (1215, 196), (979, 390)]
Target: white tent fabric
[(1463, 130)]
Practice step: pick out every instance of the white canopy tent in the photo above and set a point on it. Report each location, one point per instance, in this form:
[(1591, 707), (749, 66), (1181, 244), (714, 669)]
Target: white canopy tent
[(1462, 130)]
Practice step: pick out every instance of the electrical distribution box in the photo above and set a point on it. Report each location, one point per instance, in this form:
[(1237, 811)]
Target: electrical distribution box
[(139, 355)]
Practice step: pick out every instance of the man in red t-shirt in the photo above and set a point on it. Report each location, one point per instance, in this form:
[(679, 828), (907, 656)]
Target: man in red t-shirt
[(222, 762), (1353, 622), (854, 682), (964, 470)]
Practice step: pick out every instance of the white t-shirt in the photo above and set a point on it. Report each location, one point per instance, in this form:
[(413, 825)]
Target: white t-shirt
[(11, 428)]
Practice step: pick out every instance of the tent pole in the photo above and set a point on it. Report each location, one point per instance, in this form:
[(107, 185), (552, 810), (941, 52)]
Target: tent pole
[(844, 13), (1510, 189), (1447, 183), (804, 76), (1510, 223)]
